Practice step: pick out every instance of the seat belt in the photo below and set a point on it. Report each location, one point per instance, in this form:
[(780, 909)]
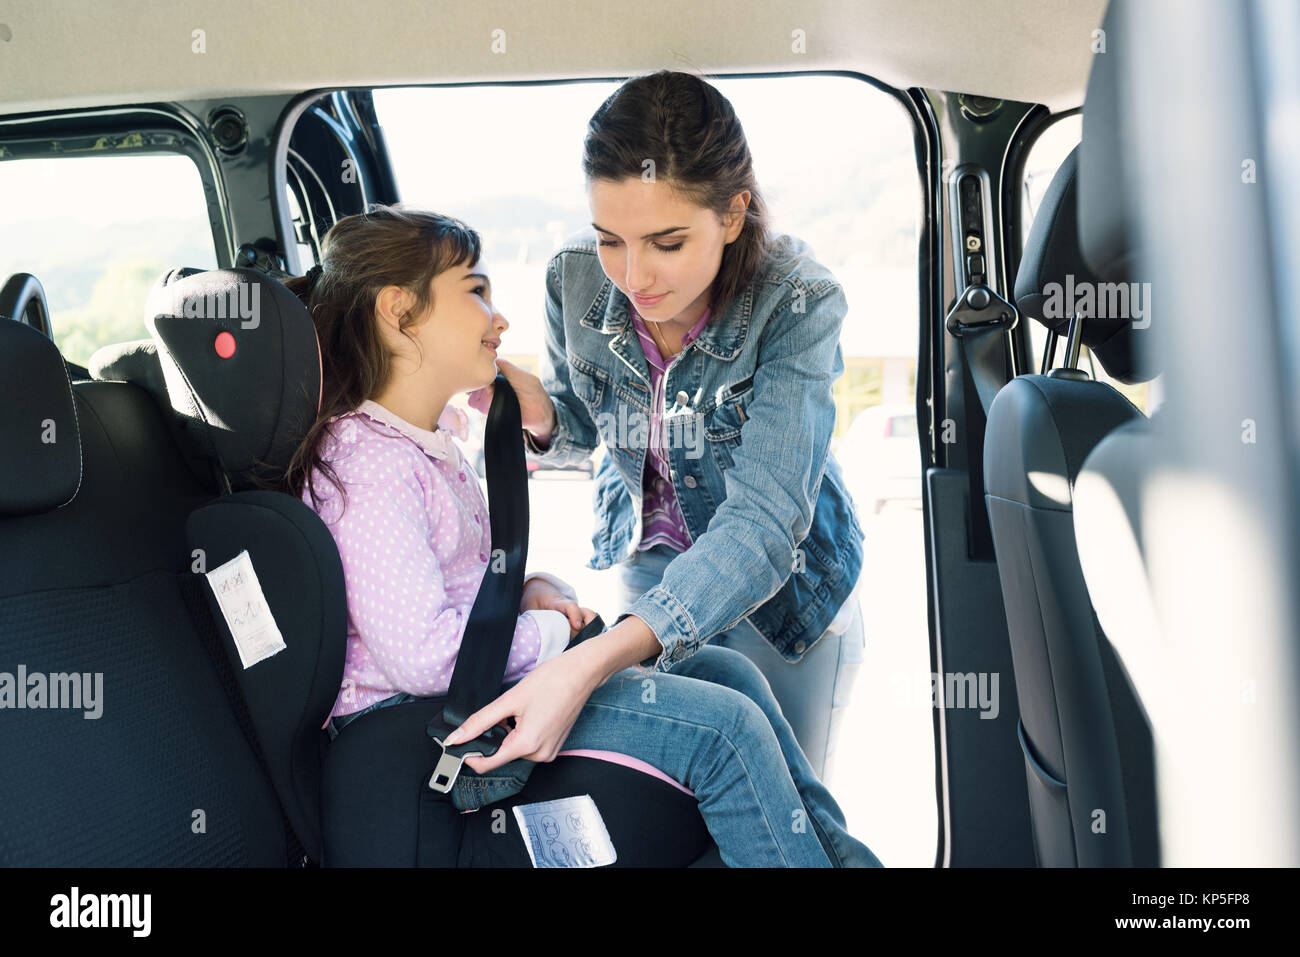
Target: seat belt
[(485, 649), (979, 321)]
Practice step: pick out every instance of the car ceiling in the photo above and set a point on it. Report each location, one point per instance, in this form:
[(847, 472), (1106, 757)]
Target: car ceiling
[(69, 53)]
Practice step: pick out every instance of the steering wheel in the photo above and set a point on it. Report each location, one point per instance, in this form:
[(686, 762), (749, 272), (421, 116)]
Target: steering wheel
[(23, 298)]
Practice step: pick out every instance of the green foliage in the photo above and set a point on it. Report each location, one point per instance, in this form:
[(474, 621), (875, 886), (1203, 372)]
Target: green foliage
[(114, 313)]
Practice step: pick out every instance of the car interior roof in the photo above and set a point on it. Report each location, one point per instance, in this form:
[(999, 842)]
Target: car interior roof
[(136, 51)]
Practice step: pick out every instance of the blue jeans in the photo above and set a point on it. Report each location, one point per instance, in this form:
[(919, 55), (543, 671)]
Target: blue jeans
[(813, 693), (714, 725)]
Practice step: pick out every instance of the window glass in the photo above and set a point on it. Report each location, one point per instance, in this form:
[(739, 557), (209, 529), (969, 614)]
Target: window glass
[(98, 232)]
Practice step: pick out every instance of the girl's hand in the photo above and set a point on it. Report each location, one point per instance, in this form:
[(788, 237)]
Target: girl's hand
[(587, 615), (536, 410), (539, 593)]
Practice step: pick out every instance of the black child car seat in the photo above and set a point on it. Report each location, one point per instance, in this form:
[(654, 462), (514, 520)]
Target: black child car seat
[(242, 389)]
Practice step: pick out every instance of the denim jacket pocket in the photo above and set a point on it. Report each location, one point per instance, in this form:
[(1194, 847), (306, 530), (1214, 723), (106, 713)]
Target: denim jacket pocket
[(589, 382), (724, 428)]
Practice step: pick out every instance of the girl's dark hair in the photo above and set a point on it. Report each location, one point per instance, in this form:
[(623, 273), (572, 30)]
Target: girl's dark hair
[(697, 144), (360, 255)]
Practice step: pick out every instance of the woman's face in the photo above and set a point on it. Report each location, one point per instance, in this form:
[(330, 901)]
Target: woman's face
[(655, 243), (461, 333)]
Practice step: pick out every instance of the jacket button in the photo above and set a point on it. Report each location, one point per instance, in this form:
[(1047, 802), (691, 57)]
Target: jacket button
[(678, 653), (689, 481), (800, 647), (683, 398)]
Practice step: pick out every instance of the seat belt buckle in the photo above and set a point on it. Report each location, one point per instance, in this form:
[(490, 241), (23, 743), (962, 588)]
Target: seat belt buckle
[(451, 758), (448, 768)]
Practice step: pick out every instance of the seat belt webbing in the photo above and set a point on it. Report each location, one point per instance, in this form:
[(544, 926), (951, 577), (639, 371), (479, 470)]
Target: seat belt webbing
[(983, 374)]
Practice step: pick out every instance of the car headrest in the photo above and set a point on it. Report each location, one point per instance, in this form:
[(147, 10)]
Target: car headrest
[(1054, 281), (241, 368), (40, 439), (135, 361), (1107, 232)]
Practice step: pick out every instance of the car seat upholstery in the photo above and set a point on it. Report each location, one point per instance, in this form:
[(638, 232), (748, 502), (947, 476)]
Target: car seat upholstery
[(95, 581), (1086, 746), (1118, 472)]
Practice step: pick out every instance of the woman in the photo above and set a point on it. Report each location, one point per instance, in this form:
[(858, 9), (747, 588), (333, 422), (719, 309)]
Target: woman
[(703, 353)]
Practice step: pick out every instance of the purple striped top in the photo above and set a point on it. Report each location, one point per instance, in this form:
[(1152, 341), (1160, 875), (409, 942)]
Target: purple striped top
[(661, 517)]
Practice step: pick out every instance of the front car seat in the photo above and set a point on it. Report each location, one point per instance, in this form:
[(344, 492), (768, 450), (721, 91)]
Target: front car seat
[(1085, 742)]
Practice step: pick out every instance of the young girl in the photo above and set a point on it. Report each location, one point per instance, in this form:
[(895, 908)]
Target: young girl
[(404, 316)]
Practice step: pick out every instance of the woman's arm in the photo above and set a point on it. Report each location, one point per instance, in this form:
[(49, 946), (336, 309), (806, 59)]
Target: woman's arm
[(564, 433)]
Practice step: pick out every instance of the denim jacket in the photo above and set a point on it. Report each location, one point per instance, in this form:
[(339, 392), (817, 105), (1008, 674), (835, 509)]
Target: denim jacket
[(748, 420)]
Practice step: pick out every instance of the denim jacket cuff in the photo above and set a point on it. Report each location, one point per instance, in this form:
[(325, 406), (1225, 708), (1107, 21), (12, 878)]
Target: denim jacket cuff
[(559, 444), (671, 623), (530, 443)]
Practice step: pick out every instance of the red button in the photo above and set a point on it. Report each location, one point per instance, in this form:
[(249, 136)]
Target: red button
[(225, 345), (462, 476)]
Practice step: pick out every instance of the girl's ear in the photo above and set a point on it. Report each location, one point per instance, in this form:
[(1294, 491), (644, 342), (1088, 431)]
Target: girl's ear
[(391, 305), (736, 216)]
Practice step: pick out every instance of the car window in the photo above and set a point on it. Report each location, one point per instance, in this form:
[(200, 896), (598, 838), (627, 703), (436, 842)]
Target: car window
[(836, 162), (902, 426), (98, 232), (1049, 150)]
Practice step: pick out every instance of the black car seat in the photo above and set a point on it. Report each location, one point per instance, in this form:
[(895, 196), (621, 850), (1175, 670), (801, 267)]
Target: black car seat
[(1086, 745), (22, 297), (1118, 474), (242, 410), (95, 581)]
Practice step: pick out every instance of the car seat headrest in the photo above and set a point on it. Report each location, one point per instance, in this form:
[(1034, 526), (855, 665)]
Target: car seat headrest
[(1054, 282), (1107, 227), (241, 368), (40, 439), (135, 361)]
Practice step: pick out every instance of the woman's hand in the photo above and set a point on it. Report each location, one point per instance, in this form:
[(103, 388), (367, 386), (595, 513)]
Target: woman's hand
[(536, 410), (546, 703)]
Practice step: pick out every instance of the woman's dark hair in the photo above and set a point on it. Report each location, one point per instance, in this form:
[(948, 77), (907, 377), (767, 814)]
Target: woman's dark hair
[(692, 134), (360, 255)]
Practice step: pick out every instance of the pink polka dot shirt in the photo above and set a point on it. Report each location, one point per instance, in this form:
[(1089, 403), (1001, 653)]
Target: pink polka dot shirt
[(415, 544)]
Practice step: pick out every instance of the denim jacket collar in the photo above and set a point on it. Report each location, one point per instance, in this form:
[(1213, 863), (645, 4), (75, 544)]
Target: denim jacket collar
[(723, 338)]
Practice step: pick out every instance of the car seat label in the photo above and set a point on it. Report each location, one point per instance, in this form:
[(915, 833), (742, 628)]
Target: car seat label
[(565, 833), (244, 607)]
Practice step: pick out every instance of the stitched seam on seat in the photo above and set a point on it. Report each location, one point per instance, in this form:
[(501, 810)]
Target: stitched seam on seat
[(1051, 670)]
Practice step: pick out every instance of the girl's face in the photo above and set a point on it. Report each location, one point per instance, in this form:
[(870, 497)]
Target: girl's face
[(462, 333), (661, 250)]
